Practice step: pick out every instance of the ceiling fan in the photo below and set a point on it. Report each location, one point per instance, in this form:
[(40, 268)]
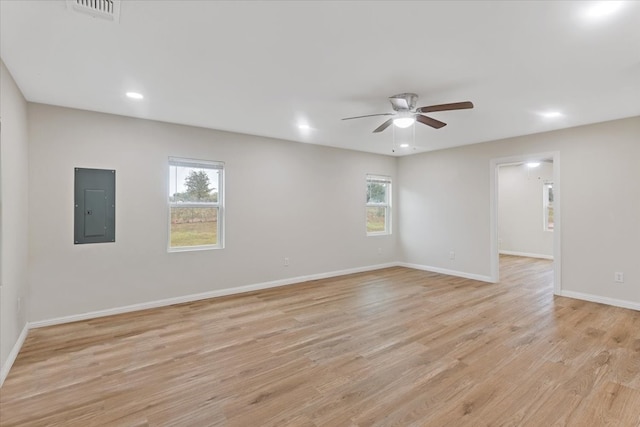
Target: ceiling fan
[(406, 113)]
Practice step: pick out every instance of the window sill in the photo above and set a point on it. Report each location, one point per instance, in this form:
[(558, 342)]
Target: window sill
[(194, 248)]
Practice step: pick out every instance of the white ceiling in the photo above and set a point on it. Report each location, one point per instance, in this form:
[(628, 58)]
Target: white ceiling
[(261, 68)]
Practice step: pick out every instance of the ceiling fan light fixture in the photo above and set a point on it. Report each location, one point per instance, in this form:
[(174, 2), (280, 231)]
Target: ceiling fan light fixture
[(404, 122)]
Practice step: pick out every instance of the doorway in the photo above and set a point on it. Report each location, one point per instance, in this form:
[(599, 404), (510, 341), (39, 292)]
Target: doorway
[(525, 210)]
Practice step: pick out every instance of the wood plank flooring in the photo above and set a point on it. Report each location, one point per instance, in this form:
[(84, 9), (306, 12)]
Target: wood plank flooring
[(393, 347)]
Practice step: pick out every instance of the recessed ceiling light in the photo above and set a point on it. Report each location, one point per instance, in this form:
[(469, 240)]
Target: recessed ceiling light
[(602, 9), (404, 145), (551, 114), (533, 164), (304, 126), (135, 95)]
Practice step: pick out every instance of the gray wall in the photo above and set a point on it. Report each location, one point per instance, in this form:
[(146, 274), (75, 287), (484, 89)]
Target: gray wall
[(283, 199), (520, 210), (13, 213), (445, 205)]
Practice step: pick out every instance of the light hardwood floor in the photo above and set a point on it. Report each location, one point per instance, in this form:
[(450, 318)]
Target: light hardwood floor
[(393, 347)]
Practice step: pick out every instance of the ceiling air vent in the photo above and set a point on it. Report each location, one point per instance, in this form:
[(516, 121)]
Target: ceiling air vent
[(105, 9)]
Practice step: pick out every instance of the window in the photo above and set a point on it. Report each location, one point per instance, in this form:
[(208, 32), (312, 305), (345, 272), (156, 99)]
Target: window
[(195, 204), (378, 206), (547, 205)]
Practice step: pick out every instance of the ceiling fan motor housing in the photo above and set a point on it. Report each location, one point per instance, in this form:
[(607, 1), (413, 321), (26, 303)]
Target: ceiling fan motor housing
[(404, 101)]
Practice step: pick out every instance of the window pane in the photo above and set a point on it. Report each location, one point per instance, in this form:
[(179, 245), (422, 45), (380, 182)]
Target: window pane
[(376, 219), (376, 192), (194, 226), (548, 206), (193, 184)]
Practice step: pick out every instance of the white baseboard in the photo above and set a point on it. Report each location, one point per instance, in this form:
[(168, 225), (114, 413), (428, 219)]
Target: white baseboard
[(204, 295), (13, 354), (447, 272), (602, 300), (525, 254)]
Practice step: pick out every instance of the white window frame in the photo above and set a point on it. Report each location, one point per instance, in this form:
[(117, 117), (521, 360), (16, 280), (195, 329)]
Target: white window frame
[(387, 205), (545, 206), (219, 205)]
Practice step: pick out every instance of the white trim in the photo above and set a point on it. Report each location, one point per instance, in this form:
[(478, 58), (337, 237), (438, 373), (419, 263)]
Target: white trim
[(13, 353), (557, 222), (526, 254), (602, 300), (448, 272), (193, 248), (557, 213), (386, 179), (204, 295), (195, 163)]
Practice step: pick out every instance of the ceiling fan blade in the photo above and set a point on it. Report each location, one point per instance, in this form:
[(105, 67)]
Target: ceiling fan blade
[(369, 115), (383, 126), (436, 124), (446, 107)]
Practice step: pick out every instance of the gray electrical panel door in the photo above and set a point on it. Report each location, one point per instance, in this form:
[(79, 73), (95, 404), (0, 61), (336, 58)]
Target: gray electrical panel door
[(95, 206)]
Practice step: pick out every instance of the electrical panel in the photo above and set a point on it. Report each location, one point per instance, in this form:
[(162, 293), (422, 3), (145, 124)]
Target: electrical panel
[(95, 206)]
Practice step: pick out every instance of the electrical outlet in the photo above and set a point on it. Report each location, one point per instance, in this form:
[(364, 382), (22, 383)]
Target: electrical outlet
[(618, 277), (379, 251), (286, 261), (19, 303), (452, 255)]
